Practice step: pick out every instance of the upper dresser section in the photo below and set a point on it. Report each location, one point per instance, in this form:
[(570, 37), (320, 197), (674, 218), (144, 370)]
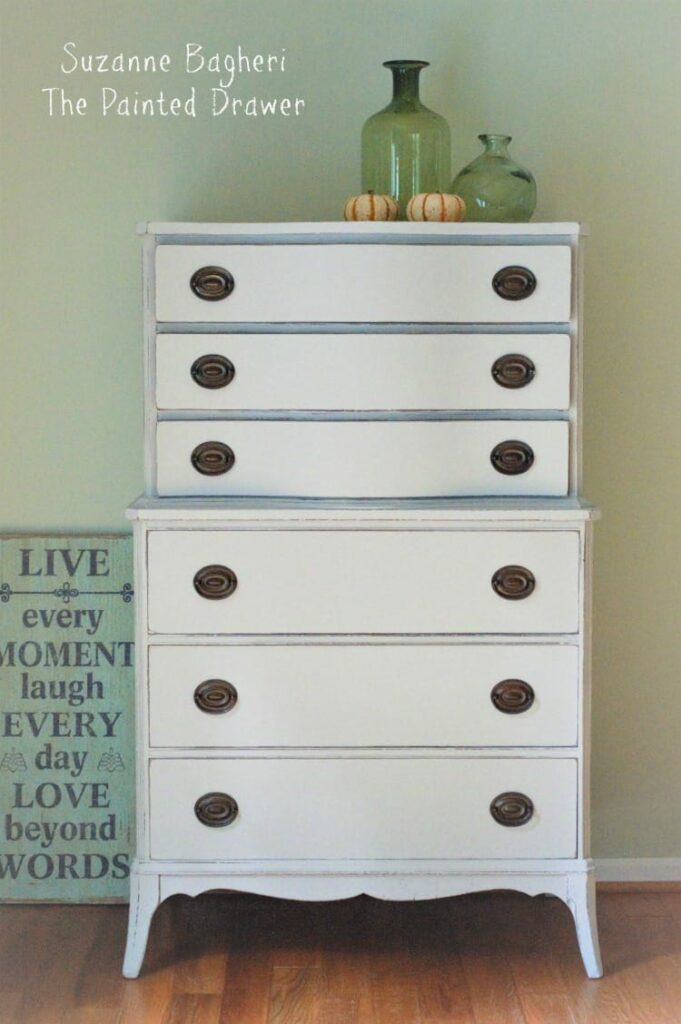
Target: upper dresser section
[(427, 360)]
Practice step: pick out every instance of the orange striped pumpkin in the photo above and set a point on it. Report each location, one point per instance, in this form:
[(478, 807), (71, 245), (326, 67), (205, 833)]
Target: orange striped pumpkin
[(370, 207), (438, 206)]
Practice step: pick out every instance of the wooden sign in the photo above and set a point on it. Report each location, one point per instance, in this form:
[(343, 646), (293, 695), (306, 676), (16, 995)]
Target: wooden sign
[(66, 718)]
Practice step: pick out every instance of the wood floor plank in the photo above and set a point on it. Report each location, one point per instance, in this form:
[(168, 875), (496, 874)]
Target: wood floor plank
[(536, 971), (92, 1015), (300, 923), (145, 1000), (294, 995), (493, 993), (193, 1008), (248, 975), (442, 987), (201, 929), (546, 1008), (19, 927), (10, 1002), (346, 960), (332, 1010), (62, 928), (99, 977), (391, 965)]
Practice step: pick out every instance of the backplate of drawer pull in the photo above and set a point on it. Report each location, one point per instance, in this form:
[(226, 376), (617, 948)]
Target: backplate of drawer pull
[(513, 370), (511, 809), (512, 458), (215, 582), (216, 810), (215, 696), (513, 582), (512, 696), (212, 458), (514, 283), (212, 283), (216, 371)]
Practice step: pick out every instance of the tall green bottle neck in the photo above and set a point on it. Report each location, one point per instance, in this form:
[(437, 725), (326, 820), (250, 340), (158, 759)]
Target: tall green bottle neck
[(406, 87)]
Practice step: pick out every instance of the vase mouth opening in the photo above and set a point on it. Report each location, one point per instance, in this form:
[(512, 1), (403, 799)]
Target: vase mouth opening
[(406, 65), (495, 137)]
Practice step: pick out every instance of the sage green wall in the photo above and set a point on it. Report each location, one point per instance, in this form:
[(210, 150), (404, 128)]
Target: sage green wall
[(589, 89)]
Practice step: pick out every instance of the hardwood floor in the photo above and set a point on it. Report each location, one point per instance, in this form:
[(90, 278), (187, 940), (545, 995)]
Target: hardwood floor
[(231, 959)]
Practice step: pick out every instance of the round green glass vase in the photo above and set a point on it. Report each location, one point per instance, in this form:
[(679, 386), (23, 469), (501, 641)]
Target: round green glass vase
[(405, 146), (494, 187)]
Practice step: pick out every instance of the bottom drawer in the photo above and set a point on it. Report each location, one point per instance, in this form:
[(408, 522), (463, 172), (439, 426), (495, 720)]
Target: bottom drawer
[(362, 808)]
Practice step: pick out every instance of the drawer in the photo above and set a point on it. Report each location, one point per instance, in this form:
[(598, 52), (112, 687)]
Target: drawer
[(369, 696), (362, 371), (363, 283), (363, 581), (362, 459), (362, 808)]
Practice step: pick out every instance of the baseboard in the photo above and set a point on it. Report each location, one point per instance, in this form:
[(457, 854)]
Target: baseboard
[(639, 870)]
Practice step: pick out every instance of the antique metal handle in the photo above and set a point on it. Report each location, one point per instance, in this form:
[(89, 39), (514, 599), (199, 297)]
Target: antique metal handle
[(212, 458), (511, 809), (514, 283), (513, 582), (513, 370), (212, 371), (212, 283), (512, 457), (216, 810), (215, 582), (512, 696), (215, 696)]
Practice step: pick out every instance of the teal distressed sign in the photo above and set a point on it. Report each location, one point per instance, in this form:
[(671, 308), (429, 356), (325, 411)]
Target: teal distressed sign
[(66, 718)]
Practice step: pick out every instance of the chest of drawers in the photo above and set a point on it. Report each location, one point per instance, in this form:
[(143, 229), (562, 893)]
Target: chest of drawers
[(363, 567)]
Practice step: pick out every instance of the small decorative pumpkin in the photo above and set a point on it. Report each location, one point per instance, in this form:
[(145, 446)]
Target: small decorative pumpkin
[(439, 206), (370, 207)]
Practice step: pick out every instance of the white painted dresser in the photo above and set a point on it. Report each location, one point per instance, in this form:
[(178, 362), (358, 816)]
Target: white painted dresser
[(363, 566)]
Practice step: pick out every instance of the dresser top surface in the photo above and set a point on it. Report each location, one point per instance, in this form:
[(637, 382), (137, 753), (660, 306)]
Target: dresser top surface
[(410, 231), (376, 510)]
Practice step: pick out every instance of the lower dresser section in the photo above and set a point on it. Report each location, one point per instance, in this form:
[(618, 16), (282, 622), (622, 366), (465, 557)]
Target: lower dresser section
[(338, 699), (363, 808), (342, 695)]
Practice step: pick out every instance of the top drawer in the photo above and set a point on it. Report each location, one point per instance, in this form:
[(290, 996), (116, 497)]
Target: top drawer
[(359, 283)]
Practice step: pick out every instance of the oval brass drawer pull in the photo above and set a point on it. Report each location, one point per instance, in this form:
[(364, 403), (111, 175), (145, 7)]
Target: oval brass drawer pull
[(512, 458), (216, 810), (215, 371), (514, 283), (513, 582), (212, 458), (511, 809), (215, 696), (212, 283), (512, 696), (513, 370), (215, 582)]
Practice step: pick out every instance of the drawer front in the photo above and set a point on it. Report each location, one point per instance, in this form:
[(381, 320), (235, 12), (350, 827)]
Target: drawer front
[(362, 808), (362, 283), (362, 459), (362, 371), (370, 696), (368, 581)]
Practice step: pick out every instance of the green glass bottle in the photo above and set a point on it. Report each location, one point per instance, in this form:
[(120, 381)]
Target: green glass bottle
[(405, 146), (494, 187)]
